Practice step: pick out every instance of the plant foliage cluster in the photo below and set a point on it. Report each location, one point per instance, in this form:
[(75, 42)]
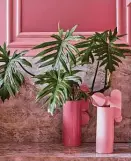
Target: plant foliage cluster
[(61, 56)]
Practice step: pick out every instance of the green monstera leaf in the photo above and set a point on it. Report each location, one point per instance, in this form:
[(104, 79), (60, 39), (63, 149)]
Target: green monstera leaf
[(60, 52), (11, 77), (57, 87)]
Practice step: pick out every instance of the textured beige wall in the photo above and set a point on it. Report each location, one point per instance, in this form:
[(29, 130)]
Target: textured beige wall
[(23, 120)]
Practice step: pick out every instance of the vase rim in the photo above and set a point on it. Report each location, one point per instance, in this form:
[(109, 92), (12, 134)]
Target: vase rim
[(73, 101)]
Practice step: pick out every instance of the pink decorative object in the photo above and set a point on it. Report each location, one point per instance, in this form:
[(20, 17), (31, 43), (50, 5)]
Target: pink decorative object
[(84, 118), (84, 105), (84, 87), (105, 130), (84, 112), (109, 111), (115, 102), (72, 123), (99, 99), (107, 103)]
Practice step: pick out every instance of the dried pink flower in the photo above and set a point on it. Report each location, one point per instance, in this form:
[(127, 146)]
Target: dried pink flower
[(84, 88)]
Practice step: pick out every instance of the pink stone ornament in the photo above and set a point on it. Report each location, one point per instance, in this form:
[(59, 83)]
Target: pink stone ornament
[(99, 99), (105, 130), (116, 102)]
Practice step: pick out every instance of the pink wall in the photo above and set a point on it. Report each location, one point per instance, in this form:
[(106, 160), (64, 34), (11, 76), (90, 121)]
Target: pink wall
[(2, 21), (91, 15), (95, 15)]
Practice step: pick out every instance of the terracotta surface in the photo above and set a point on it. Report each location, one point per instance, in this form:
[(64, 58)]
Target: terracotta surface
[(23, 120), (51, 152)]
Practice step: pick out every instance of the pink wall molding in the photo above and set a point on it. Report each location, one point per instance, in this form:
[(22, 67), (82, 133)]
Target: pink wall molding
[(17, 39)]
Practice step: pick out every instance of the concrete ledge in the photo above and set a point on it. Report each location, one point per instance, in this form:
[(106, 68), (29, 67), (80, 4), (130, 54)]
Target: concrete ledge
[(57, 152)]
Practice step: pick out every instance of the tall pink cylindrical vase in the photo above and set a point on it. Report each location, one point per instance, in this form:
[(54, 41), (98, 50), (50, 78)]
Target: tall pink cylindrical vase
[(72, 123), (105, 130)]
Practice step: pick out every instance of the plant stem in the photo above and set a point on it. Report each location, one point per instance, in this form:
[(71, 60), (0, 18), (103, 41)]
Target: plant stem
[(95, 76), (105, 84), (101, 90), (26, 70)]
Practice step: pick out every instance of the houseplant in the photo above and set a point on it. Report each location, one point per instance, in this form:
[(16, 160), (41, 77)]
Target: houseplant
[(108, 53), (61, 82), (103, 48), (11, 78), (61, 56)]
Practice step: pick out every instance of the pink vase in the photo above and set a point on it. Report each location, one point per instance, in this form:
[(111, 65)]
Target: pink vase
[(85, 105), (105, 130), (72, 123), (84, 112)]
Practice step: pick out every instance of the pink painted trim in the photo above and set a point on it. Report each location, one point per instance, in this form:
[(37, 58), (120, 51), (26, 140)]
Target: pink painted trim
[(9, 25), (129, 24), (121, 16), (18, 9), (47, 34), (14, 32)]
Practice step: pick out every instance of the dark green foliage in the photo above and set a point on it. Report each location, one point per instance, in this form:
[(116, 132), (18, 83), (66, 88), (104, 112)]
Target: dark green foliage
[(62, 55), (61, 82), (10, 77), (103, 46), (60, 51), (58, 87)]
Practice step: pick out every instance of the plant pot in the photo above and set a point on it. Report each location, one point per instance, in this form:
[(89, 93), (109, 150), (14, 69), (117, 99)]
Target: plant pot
[(84, 112), (84, 105), (105, 130), (72, 123)]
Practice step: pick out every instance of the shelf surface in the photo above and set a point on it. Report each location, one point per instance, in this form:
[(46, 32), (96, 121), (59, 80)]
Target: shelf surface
[(57, 152)]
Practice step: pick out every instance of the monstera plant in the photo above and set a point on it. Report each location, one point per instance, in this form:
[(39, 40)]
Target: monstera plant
[(59, 58), (11, 77), (103, 48), (61, 55), (61, 82)]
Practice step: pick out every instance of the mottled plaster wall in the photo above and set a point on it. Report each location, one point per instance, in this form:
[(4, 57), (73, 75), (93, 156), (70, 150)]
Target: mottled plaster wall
[(23, 120)]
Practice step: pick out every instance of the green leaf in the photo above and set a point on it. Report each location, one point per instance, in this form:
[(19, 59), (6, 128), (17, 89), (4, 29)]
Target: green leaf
[(73, 29), (46, 51), (46, 44), (25, 62), (11, 77), (64, 65), (47, 63)]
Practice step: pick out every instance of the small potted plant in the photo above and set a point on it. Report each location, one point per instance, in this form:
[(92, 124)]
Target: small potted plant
[(104, 48), (62, 85), (11, 78)]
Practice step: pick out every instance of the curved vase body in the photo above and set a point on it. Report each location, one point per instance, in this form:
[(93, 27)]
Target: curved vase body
[(85, 105), (72, 123), (105, 130)]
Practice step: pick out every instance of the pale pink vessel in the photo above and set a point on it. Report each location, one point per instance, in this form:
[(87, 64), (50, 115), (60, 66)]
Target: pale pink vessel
[(105, 130)]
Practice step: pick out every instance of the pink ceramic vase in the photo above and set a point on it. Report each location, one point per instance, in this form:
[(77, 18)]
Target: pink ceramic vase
[(84, 105), (105, 130), (72, 123), (84, 112)]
